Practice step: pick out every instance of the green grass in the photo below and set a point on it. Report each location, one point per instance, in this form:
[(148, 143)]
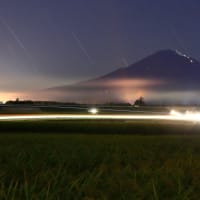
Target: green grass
[(82, 166)]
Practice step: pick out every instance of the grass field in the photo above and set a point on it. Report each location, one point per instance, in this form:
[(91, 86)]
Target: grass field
[(150, 127), (82, 109), (111, 160)]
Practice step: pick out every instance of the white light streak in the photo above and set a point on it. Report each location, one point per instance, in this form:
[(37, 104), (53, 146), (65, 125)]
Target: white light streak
[(187, 116), (84, 50), (14, 35), (125, 62), (175, 113), (16, 38), (93, 111), (184, 117)]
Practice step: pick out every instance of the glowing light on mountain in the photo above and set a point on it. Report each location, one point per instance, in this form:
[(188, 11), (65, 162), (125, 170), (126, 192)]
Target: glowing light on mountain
[(128, 82)]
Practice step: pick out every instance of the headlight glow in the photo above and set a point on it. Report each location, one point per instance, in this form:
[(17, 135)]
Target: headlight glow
[(93, 111)]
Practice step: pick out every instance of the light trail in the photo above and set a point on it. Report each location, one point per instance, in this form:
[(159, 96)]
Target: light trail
[(16, 38), (83, 49), (189, 118), (12, 32)]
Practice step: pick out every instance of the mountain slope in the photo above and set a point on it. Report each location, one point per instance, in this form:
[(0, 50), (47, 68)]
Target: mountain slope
[(163, 71), (165, 64)]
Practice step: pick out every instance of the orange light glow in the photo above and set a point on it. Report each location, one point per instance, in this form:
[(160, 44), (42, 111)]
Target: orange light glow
[(6, 96), (126, 83)]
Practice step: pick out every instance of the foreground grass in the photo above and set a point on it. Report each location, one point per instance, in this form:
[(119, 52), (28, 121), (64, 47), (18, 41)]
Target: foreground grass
[(58, 166), (149, 127)]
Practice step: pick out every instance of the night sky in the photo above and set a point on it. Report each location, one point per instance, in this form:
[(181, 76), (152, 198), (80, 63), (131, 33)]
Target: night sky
[(45, 43)]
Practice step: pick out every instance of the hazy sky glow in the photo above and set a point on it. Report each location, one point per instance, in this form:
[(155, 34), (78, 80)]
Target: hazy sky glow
[(48, 43)]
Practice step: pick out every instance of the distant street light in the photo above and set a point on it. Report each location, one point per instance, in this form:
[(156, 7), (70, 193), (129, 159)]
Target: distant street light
[(93, 111)]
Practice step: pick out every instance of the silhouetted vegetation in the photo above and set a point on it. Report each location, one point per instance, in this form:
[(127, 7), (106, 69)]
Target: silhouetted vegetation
[(139, 102), (18, 102), (117, 104)]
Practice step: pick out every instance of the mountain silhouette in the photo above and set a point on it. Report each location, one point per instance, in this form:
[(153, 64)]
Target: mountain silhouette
[(164, 71)]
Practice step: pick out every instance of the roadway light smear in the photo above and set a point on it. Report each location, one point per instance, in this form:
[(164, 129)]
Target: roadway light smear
[(190, 117)]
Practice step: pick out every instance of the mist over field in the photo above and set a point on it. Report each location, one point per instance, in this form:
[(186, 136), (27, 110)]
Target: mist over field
[(166, 76)]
